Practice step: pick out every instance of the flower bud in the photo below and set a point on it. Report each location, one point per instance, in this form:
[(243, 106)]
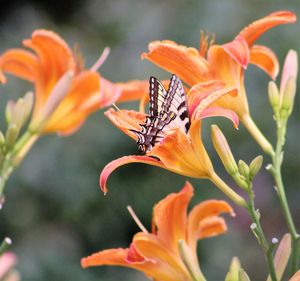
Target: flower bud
[(11, 135), (28, 104), (288, 97), (18, 112), (2, 139), (288, 83), (9, 111), (243, 276), (221, 146), (255, 166), (273, 95), (282, 256), (233, 273), (244, 169)]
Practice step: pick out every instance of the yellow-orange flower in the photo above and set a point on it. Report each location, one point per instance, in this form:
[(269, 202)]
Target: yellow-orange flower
[(158, 254), (65, 92), (179, 152), (225, 62)]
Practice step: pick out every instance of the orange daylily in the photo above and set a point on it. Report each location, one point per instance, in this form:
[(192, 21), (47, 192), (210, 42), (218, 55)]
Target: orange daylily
[(160, 254), (179, 152), (65, 92), (225, 62)]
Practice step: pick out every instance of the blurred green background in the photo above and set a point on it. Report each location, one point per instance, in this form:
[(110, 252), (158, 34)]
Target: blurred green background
[(55, 212)]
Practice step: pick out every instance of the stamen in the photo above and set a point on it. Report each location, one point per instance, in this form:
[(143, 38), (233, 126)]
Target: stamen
[(136, 219), (116, 107), (101, 60)]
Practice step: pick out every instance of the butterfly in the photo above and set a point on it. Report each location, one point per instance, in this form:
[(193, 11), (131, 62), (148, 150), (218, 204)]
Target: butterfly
[(168, 110)]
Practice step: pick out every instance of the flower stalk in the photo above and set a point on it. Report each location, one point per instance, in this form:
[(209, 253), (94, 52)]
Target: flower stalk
[(275, 170), (240, 201), (259, 234), (258, 135), (14, 156)]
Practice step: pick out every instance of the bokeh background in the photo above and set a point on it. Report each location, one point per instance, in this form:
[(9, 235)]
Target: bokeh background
[(55, 212)]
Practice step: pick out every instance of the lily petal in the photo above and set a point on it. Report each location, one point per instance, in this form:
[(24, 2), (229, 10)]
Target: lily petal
[(238, 49), (168, 265), (106, 257), (134, 256), (226, 68), (266, 59), (109, 92), (110, 167), (126, 120), (211, 226), (257, 28), (202, 91), (19, 63), (170, 217), (185, 62), (181, 155), (133, 90), (209, 208), (207, 101), (220, 111), (55, 56), (82, 99)]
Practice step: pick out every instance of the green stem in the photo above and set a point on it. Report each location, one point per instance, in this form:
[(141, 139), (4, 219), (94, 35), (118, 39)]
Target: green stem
[(257, 229), (227, 190), (276, 172), (14, 156), (257, 135)]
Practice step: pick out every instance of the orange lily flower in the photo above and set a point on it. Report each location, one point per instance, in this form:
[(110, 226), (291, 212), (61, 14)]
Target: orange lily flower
[(179, 152), (65, 92), (225, 62), (169, 252)]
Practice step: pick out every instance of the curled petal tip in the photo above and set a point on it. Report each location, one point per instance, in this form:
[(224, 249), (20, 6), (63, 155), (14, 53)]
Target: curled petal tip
[(113, 165)]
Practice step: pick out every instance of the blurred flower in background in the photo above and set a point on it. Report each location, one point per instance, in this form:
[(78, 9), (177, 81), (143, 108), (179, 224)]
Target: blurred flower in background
[(8, 261)]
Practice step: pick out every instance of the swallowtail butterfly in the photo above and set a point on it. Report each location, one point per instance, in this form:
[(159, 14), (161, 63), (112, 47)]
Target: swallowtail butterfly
[(168, 110)]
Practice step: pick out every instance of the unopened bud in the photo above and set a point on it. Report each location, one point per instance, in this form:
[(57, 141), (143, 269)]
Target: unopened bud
[(11, 135), (288, 97), (28, 104), (233, 273), (243, 276), (282, 255), (244, 169), (221, 146), (273, 95), (9, 111), (18, 112), (255, 166), (2, 139)]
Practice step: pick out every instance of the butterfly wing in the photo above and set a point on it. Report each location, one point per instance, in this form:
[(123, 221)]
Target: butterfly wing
[(176, 102), (157, 95), (168, 110)]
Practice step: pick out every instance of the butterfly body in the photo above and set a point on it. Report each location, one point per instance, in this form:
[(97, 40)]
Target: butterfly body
[(168, 110)]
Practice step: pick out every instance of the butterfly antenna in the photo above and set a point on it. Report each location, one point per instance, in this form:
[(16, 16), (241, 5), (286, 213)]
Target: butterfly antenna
[(136, 219), (116, 107)]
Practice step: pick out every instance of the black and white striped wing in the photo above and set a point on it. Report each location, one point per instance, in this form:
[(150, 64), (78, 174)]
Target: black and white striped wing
[(157, 95), (176, 102), (168, 110)]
